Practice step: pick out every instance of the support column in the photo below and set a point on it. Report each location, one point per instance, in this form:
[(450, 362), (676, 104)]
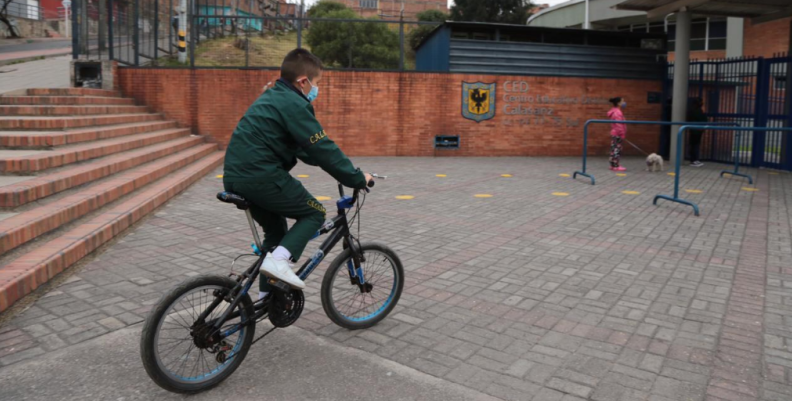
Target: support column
[(681, 78), (587, 16)]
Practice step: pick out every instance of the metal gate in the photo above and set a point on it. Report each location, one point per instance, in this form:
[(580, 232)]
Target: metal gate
[(132, 32), (753, 92)]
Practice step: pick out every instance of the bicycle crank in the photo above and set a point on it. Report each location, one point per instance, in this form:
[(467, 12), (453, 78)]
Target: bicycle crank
[(286, 307)]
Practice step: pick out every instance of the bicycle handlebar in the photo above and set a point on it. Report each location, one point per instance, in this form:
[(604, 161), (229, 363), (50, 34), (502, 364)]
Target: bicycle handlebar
[(355, 193)]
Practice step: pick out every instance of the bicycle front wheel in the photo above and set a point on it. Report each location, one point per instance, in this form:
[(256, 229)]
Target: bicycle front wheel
[(182, 353), (356, 304)]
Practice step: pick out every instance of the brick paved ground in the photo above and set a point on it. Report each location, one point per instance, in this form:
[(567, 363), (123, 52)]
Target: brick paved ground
[(525, 295)]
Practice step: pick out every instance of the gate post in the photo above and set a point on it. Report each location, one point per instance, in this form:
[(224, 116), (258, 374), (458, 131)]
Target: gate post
[(110, 20), (75, 26), (786, 149), (762, 93), (136, 33)]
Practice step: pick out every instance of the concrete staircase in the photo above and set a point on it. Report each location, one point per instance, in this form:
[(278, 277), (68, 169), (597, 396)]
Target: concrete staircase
[(77, 167)]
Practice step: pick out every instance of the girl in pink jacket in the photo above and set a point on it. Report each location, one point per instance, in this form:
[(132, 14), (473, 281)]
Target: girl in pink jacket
[(618, 132)]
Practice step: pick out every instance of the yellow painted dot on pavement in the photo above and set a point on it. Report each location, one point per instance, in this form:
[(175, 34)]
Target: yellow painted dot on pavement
[(441, 175), (621, 174), (631, 192), (219, 176), (749, 189), (405, 197), (303, 176), (506, 175), (672, 174), (694, 191), (560, 193), (483, 196), (323, 198), (564, 175)]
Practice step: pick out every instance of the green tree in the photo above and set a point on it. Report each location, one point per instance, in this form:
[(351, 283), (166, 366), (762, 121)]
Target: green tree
[(324, 7), (353, 44), (421, 31), (501, 11)]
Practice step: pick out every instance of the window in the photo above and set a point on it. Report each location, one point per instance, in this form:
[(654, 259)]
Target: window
[(705, 34), (369, 4), (716, 39)]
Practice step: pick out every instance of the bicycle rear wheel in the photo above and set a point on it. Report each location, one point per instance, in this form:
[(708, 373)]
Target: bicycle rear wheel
[(355, 305), (176, 349)]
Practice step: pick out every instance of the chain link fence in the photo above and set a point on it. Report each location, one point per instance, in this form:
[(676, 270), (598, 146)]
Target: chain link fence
[(250, 41), (238, 33)]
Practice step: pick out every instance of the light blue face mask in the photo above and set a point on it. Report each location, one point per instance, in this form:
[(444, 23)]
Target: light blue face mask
[(313, 93), (624, 105)]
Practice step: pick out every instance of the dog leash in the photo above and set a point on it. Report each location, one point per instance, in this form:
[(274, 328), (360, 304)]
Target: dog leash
[(636, 147)]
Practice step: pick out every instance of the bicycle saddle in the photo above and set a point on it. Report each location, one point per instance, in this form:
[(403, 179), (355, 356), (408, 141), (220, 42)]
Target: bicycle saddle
[(230, 197)]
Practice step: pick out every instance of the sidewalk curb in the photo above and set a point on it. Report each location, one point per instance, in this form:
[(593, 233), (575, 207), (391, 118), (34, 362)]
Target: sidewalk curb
[(4, 63)]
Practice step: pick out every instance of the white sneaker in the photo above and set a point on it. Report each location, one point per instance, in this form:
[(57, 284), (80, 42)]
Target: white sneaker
[(281, 270)]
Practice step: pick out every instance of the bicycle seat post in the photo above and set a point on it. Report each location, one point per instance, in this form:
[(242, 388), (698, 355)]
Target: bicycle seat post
[(254, 229)]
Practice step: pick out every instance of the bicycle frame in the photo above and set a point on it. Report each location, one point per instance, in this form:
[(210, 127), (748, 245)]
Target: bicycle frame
[(338, 228)]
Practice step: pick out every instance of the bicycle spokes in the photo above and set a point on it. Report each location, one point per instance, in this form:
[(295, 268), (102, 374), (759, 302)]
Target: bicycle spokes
[(368, 289), (190, 349)]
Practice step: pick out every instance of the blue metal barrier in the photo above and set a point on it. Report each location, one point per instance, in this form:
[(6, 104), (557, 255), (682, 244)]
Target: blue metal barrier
[(678, 165), (737, 163), (585, 136)]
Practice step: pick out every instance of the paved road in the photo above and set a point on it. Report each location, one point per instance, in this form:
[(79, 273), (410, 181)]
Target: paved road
[(290, 364), (48, 73), (548, 290)]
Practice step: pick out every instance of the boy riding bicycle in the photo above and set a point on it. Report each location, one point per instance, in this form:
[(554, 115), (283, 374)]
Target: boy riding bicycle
[(277, 129)]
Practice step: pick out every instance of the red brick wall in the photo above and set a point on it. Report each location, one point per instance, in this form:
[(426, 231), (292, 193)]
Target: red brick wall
[(399, 114), (390, 9), (766, 39)]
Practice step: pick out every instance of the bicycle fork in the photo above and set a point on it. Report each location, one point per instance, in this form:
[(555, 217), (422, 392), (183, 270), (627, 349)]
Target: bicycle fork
[(355, 266)]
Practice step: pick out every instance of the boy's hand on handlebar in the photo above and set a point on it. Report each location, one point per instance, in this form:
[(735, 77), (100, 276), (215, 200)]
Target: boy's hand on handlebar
[(369, 178)]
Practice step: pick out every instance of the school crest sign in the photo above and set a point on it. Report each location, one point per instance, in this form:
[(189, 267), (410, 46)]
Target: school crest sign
[(478, 101)]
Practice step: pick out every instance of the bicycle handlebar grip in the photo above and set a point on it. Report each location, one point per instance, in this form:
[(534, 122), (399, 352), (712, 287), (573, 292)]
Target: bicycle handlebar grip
[(370, 184)]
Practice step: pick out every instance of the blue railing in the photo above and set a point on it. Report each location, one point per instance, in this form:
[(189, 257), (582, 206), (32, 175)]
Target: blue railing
[(678, 163), (589, 122)]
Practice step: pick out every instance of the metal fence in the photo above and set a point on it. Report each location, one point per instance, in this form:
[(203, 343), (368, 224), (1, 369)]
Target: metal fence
[(18, 9), (238, 33), (754, 92)]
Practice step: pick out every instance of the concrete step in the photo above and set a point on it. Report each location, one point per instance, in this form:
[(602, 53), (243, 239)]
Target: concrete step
[(19, 193), (62, 123), (89, 110), (27, 272), (25, 226), (31, 161), (71, 92), (49, 139), (66, 100)]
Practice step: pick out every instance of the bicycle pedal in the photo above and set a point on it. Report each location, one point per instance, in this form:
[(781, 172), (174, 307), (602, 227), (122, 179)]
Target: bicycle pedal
[(280, 286)]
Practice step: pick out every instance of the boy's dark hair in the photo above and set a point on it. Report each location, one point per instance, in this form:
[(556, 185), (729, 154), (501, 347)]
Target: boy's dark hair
[(300, 62), (615, 101)]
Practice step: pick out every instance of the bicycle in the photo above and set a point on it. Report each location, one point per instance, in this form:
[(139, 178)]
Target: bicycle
[(213, 319)]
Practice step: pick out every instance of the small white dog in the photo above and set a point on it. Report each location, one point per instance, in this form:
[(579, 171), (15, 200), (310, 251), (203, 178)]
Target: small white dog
[(654, 163)]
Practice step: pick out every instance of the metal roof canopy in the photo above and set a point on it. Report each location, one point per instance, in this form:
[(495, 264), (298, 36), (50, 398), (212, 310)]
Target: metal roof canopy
[(757, 10)]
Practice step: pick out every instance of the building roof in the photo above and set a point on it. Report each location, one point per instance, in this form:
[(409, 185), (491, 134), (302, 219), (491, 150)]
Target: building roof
[(569, 32), (553, 8), (758, 10)]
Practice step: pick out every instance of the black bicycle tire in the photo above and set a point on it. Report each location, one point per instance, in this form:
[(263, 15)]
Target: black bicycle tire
[(327, 302), (147, 346)]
